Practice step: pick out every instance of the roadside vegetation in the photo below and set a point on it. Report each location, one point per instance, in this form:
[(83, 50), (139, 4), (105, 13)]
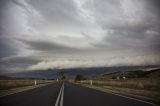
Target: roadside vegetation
[(61, 76), (80, 77), (11, 82)]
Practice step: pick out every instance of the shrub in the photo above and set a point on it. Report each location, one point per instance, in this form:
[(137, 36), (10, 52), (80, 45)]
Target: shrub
[(79, 77)]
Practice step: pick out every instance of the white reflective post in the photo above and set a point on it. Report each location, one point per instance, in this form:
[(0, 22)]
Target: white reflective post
[(90, 82), (35, 82)]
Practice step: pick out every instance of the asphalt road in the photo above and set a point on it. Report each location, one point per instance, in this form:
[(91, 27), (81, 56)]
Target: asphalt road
[(82, 96), (73, 95), (41, 96)]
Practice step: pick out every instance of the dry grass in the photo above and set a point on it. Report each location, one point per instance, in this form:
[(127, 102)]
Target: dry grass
[(145, 93), (8, 84), (139, 83)]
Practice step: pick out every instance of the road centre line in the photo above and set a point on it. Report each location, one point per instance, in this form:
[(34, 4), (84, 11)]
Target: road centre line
[(60, 97)]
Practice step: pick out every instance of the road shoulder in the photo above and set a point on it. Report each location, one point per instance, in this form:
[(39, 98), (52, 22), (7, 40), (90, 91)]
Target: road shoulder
[(123, 94), (20, 89)]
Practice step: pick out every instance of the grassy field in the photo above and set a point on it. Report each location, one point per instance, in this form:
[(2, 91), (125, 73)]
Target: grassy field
[(139, 83), (9, 83), (145, 93)]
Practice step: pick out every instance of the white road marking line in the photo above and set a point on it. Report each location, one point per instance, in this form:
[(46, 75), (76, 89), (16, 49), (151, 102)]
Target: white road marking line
[(134, 99), (123, 96), (60, 98), (57, 101), (61, 102)]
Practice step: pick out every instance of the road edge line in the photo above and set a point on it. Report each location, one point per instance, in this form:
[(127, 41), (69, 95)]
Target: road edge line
[(134, 99), (120, 95)]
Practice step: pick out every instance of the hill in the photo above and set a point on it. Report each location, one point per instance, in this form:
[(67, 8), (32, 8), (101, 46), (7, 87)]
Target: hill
[(141, 73)]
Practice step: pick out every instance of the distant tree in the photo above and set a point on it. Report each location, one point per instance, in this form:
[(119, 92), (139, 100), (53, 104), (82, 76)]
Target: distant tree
[(79, 77), (61, 75)]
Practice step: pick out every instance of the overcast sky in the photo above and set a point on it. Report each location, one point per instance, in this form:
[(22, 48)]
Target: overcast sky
[(42, 34)]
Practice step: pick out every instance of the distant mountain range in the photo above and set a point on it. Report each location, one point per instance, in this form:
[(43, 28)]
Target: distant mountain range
[(71, 73)]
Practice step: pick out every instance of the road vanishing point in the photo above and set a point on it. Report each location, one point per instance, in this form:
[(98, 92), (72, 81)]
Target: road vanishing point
[(68, 94)]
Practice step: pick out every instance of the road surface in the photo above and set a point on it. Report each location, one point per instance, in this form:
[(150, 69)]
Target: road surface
[(68, 95), (41, 96), (82, 96)]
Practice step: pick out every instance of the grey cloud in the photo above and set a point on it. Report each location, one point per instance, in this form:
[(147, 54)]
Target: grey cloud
[(125, 32), (123, 25), (86, 35), (120, 61), (44, 45), (120, 40), (22, 4), (10, 24), (51, 48), (153, 7), (3, 4), (6, 48), (48, 29), (104, 10), (19, 61), (56, 11)]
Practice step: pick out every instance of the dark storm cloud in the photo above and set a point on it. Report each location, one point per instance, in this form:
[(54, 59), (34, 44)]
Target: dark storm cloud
[(126, 26), (86, 35), (131, 31), (35, 32), (45, 46), (6, 49), (3, 4), (153, 6), (53, 47), (19, 61), (56, 11), (21, 4)]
